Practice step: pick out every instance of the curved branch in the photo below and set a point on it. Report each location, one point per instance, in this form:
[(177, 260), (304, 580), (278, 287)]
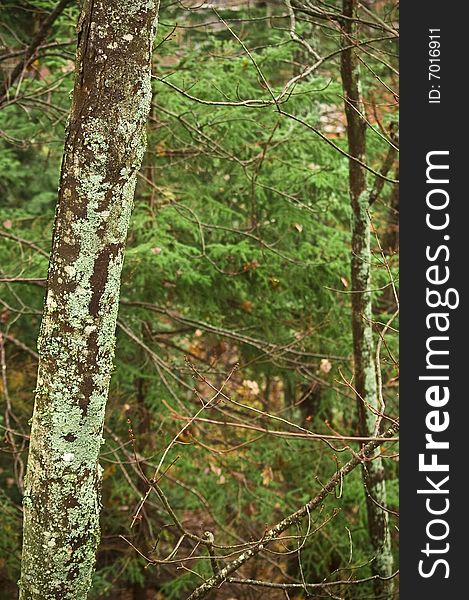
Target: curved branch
[(272, 534)]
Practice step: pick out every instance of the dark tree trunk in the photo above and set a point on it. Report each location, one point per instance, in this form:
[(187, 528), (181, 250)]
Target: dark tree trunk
[(363, 346)]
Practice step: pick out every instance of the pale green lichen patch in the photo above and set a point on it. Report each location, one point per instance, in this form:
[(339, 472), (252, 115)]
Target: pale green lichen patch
[(366, 382)]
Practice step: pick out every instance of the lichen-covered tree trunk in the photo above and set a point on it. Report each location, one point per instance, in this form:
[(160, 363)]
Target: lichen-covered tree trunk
[(363, 346), (104, 146)]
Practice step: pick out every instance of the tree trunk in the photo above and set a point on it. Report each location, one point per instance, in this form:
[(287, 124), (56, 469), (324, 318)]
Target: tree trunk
[(104, 146), (363, 346)]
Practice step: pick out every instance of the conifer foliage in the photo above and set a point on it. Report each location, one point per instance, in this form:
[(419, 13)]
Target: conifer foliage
[(216, 401)]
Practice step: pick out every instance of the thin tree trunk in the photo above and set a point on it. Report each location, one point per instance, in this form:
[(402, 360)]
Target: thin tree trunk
[(363, 346), (30, 51), (104, 146)]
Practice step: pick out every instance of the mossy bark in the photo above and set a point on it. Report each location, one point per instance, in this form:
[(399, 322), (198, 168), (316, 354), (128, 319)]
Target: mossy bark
[(104, 146), (365, 382)]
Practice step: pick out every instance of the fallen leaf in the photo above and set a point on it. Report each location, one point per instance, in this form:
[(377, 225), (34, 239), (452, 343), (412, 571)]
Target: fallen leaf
[(253, 264), (252, 386), (246, 305), (267, 475)]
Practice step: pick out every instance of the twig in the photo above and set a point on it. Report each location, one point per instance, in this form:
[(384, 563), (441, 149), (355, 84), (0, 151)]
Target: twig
[(203, 590), (30, 51)]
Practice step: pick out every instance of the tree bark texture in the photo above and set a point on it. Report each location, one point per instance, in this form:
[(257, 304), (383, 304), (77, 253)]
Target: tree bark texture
[(363, 346), (104, 145)]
